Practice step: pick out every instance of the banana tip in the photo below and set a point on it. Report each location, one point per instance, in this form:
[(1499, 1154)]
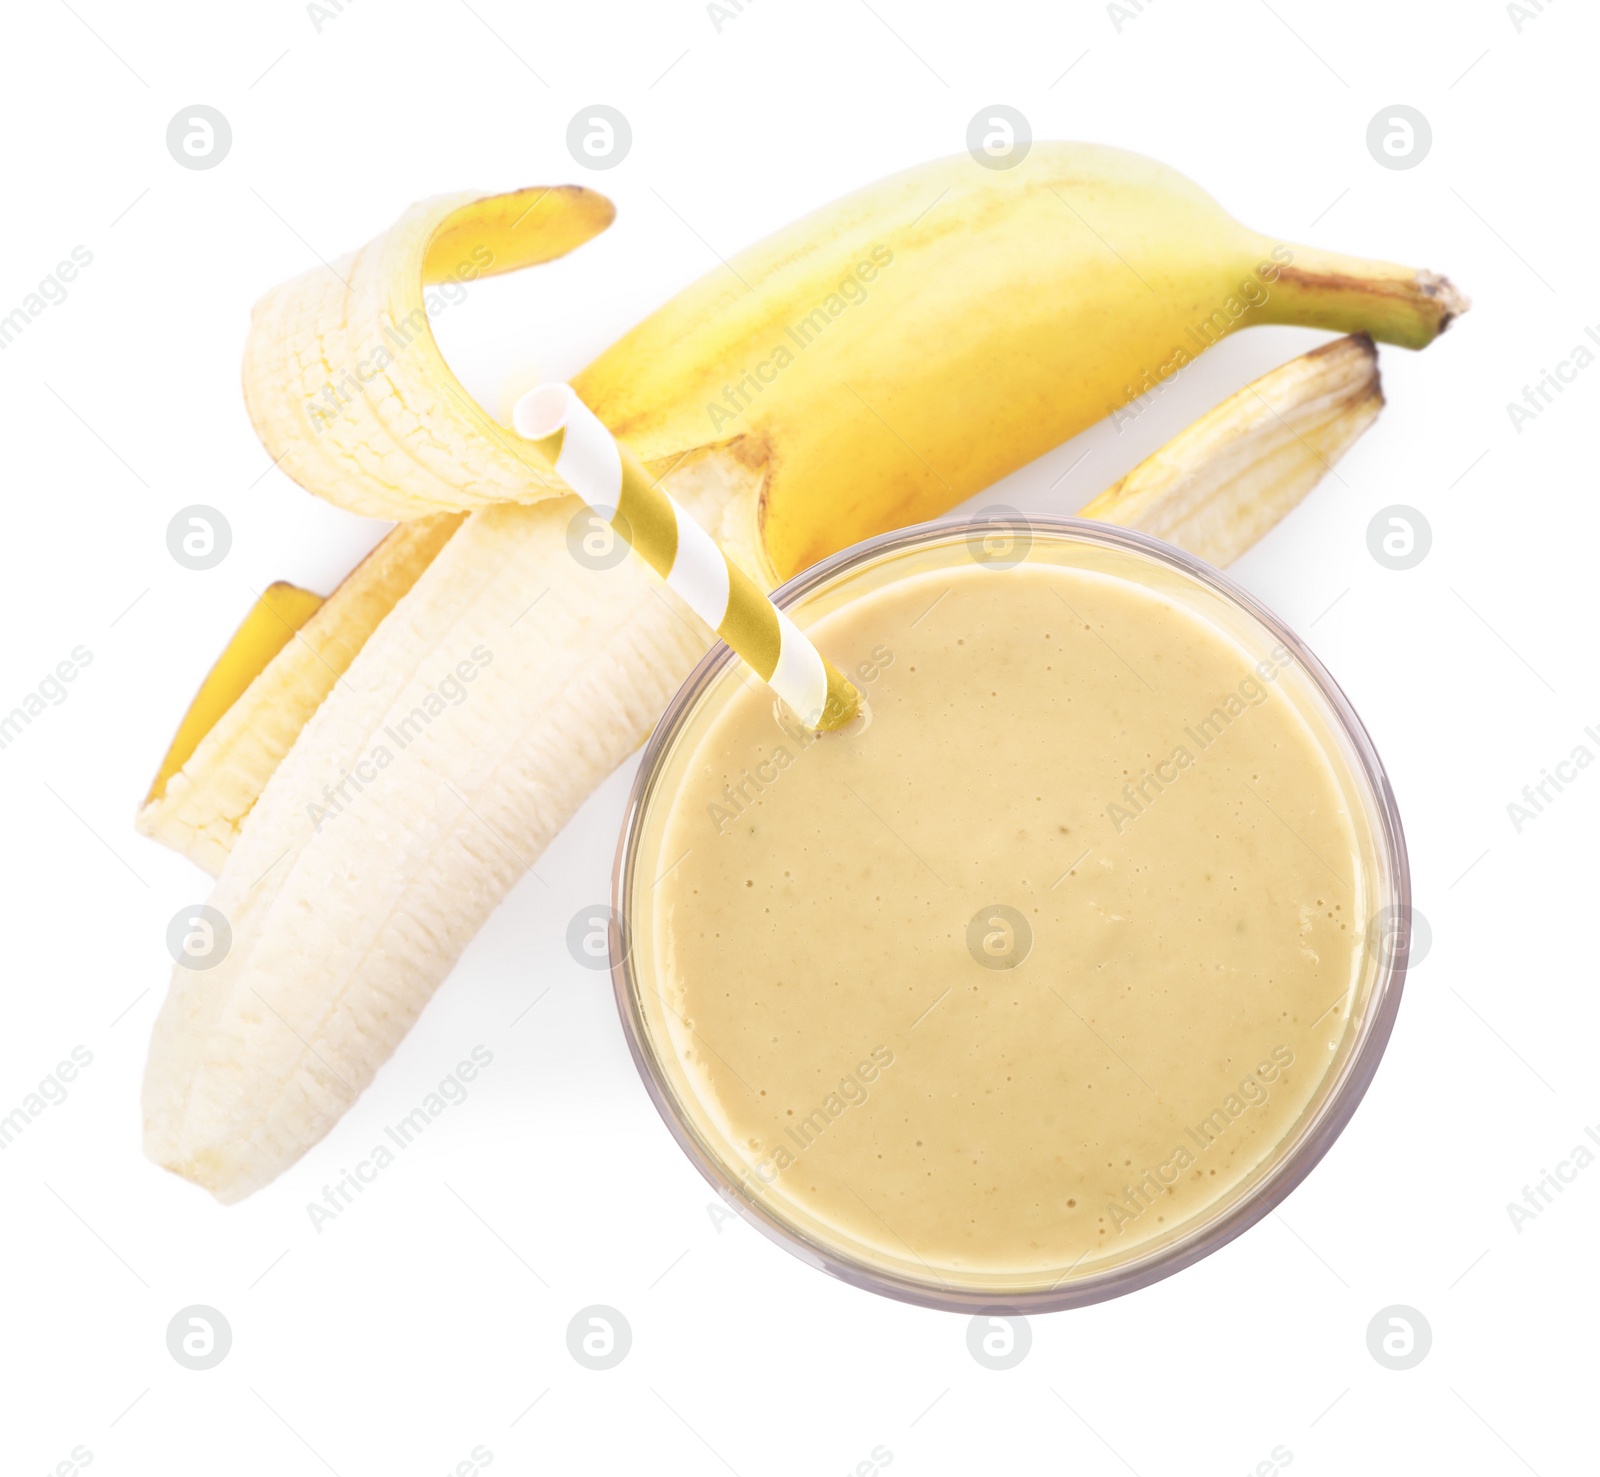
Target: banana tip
[(1452, 301)]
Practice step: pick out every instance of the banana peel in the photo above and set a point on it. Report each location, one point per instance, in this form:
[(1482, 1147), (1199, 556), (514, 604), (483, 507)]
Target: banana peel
[(1217, 488), (279, 612), (281, 663)]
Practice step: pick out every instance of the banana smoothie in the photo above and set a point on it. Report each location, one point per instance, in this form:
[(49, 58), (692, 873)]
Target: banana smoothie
[(1036, 968)]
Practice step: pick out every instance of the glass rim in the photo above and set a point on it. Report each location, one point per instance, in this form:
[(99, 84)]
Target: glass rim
[(1305, 1148)]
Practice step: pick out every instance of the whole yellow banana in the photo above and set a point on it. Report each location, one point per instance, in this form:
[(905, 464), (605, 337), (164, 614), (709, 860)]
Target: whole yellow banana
[(1006, 311)]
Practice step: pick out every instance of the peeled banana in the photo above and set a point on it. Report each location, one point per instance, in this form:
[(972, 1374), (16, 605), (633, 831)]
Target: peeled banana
[(999, 315)]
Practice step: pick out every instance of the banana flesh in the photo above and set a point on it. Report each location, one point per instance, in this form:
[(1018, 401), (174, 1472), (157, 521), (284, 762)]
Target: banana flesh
[(504, 686)]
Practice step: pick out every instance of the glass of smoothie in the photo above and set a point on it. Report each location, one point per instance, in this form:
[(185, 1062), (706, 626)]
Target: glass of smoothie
[(1057, 969)]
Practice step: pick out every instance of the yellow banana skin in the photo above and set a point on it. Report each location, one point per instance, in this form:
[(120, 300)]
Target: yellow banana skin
[(281, 663), (280, 611), (1007, 311), (884, 358), (1221, 485)]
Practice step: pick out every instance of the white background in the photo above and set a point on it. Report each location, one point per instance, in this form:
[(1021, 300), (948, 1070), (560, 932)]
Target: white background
[(430, 1317)]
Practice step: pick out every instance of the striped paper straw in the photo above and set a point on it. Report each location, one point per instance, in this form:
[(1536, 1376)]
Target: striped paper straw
[(611, 479)]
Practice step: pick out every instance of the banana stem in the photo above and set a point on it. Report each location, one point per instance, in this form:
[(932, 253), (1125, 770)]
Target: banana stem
[(1348, 294)]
